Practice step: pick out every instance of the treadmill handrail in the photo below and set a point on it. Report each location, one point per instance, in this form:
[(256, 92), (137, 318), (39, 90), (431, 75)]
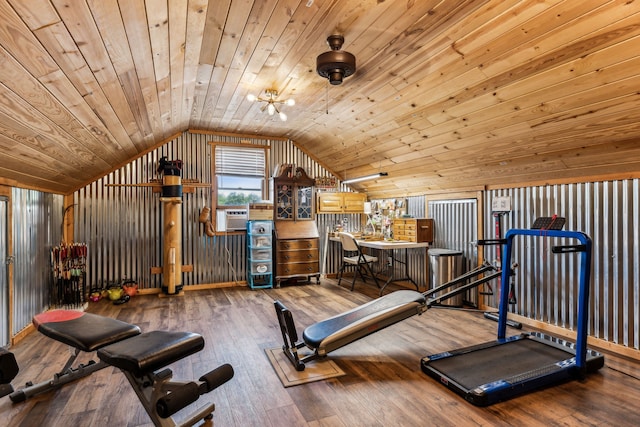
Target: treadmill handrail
[(583, 287)]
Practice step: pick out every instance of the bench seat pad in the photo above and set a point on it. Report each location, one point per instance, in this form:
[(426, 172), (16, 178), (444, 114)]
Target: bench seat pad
[(150, 351), (85, 331), (334, 332)]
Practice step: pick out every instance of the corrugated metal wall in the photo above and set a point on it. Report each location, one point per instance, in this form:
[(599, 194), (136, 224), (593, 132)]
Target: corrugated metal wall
[(37, 227), (123, 224), (417, 206), (546, 284), (5, 334), (456, 227), (113, 219)]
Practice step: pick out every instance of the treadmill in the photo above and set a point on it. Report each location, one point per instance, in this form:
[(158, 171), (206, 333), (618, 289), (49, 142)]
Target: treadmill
[(488, 373)]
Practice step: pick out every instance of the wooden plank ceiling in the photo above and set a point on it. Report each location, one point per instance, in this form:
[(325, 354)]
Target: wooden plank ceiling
[(448, 94)]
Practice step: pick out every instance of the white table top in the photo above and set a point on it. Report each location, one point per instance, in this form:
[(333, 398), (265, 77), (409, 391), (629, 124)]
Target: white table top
[(391, 244), (387, 244)]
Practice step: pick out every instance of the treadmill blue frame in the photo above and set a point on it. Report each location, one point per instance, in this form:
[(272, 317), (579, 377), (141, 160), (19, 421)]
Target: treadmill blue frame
[(583, 286)]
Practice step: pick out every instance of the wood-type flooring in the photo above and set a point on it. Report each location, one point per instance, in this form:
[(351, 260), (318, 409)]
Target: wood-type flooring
[(383, 385)]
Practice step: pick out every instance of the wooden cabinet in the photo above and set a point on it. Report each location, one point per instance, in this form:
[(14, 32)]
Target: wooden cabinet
[(297, 250), (298, 257), (413, 229), (341, 202), (293, 195)]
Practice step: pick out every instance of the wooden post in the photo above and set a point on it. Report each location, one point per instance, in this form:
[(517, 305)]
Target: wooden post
[(68, 219), (172, 240)]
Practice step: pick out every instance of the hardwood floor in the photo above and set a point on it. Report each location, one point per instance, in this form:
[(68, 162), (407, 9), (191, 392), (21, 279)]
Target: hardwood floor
[(383, 385)]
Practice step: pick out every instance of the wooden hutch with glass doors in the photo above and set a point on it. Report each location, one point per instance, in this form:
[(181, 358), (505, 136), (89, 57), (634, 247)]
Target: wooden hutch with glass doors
[(296, 238)]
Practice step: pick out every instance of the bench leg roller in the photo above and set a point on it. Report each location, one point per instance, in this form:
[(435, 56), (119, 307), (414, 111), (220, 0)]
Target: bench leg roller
[(216, 378), (188, 393), (179, 398)]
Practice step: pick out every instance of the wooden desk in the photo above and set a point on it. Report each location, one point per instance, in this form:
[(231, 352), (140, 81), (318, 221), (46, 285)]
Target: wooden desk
[(391, 245)]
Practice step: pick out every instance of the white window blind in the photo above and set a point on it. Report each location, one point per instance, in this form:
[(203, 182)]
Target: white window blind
[(240, 161)]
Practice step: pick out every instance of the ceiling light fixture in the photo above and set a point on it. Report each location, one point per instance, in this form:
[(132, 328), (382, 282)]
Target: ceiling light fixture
[(271, 103), (365, 178)]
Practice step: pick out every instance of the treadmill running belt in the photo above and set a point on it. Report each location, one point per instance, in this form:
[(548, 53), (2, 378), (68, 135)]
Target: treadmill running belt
[(500, 362)]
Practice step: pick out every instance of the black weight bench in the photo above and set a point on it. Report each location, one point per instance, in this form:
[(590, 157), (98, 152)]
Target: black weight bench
[(138, 355), (83, 332), (8, 371)]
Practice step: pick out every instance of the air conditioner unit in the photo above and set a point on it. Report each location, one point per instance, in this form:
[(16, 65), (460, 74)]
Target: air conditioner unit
[(235, 219)]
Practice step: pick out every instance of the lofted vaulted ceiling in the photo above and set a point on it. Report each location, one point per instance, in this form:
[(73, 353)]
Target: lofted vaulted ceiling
[(448, 94)]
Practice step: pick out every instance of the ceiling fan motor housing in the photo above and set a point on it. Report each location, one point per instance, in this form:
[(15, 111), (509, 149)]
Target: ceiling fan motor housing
[(336, 64)]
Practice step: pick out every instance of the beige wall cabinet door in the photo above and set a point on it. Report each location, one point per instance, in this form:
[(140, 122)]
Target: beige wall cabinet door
[(329, 203), (354, 202), (341, 202)]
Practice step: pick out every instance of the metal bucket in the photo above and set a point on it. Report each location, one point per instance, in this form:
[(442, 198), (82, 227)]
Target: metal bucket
[(444, 266)]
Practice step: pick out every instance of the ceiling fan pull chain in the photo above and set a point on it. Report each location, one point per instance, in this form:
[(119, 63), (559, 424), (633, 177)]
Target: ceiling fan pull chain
[(327, 95)]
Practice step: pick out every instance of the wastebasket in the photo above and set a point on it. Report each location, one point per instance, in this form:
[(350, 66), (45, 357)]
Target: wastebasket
[(444, 266)]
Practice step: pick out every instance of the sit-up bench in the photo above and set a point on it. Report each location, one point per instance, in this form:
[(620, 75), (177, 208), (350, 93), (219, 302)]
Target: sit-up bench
[(342, 329), (138, 355), (337, 331)]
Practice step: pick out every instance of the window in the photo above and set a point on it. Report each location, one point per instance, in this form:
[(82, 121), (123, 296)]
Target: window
[(240, 176)]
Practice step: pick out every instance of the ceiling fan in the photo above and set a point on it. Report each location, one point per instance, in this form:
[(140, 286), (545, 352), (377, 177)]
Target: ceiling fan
[(336, 64)]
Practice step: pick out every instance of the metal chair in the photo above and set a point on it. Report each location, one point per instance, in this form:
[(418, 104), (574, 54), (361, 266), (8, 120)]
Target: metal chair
[(354, 258)]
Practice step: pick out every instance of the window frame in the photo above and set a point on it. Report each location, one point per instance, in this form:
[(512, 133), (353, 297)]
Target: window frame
[(214, 184)]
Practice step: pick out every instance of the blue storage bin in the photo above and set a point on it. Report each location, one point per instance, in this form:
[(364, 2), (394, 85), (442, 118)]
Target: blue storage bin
[(260, 267), (260, 254), (260, 227)]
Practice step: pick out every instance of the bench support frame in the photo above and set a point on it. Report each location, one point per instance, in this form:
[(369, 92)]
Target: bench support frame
[(152, 386), (65, 376), (290, 338)]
